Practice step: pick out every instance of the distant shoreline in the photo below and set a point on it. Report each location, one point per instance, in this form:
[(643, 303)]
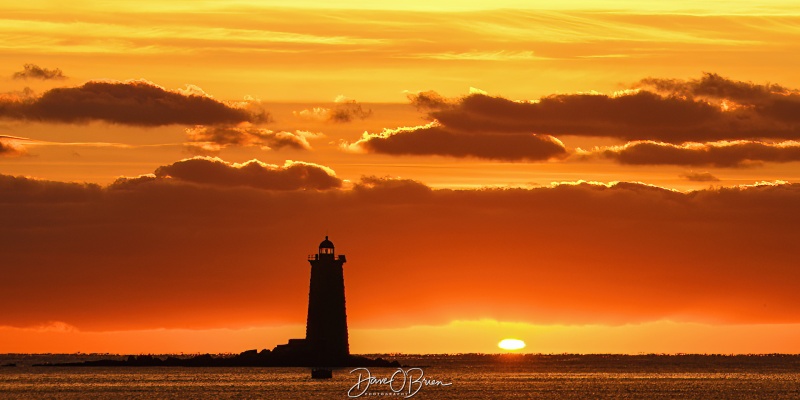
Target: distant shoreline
[(774, 362), (249, 358)]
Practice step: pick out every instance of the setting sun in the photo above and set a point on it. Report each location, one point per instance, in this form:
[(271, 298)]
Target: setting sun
[(511, 344)]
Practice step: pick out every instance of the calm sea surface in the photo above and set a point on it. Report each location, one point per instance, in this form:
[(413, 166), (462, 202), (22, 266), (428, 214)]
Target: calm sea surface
[(472, 377)]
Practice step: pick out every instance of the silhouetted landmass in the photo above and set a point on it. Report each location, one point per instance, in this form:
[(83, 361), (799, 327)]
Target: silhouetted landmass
[(569, 363), (250, 358)]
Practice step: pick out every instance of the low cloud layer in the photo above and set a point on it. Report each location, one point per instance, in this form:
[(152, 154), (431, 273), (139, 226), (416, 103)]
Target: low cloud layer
[(33, 71), (138, 103), (715, 154), (293, 175), (202, 244), (434, 139), (712, 108), (212, 139)]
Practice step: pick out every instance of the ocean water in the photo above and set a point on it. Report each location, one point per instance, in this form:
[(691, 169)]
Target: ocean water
[(468, 376)]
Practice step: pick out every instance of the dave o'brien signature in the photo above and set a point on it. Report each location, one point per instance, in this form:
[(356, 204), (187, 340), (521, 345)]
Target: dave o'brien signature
[(409, 380)]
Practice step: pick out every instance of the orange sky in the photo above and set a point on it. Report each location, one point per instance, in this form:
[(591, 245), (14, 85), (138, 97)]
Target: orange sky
[(615, 178)]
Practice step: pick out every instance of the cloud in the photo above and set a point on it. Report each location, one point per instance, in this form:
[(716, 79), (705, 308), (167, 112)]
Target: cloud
[(474, 90), (632, 116), (348, 111), (10, 147), (193, 252), (430, 100), (711, 121), (343, 112), (769, 101), (434, 139), (314, 114), (717, 154), (137, 102), (699, 177), (212, 139), (710, 109), (33, 71), (21, 190), (714, 86), (387, 189), (54, 326), (501, 55), (16, 96), (293, 175)]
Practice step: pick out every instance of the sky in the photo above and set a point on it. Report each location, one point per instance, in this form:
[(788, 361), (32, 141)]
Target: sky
[(589, 177)]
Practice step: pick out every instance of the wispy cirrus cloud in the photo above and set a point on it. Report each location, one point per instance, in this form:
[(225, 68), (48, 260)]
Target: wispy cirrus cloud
[(172, 34), (500, 55)]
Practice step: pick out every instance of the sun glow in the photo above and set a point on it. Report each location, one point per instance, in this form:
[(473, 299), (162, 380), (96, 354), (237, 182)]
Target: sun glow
[(511, 344)]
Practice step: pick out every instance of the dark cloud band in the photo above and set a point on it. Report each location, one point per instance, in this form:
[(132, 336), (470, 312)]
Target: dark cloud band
[(186, 248), (715, 154), (138, 103), (434, 139), (712, 108)]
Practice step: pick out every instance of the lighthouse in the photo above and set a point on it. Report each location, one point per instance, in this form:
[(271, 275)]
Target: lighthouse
[(326, 326)]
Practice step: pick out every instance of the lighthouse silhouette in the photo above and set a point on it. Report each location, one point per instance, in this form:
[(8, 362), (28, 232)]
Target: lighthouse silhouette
[(326, 343), (326, 327)]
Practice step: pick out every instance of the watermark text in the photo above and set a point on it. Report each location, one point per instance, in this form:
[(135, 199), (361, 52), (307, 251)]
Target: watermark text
[(403, 382)]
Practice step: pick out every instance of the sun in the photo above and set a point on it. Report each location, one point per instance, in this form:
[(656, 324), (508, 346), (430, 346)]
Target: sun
[(511, 344)]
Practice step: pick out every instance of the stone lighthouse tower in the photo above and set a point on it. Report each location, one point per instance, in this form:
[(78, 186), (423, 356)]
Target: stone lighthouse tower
[(326, 327)]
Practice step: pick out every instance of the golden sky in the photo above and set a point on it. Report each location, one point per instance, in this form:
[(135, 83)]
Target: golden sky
[(586, 176)]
